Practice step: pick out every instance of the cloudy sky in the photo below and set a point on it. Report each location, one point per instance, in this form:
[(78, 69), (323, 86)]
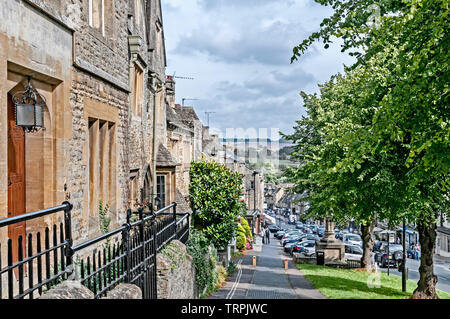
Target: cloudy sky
[(238, 52)]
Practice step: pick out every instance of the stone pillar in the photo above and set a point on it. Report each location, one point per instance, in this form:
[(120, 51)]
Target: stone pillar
[(334, 249), (329, 235)]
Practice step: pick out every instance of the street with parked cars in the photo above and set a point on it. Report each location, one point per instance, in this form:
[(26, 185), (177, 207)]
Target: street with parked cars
[(300, 237)]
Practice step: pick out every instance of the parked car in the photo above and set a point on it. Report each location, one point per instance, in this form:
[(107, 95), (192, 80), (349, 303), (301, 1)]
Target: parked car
[(279, 234), (291, 232), (321, 231), (382, 258), (274, 228), (353, 239), (353, 252), (307, 247), (288, 246), (291, 239)]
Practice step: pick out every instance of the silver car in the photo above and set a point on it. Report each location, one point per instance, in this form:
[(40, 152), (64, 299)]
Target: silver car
[(353, 252), (352, 239)]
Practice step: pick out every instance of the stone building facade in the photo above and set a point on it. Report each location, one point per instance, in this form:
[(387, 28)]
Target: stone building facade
[(100, 65)]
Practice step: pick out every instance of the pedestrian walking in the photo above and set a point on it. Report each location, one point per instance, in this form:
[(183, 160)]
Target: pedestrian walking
[(418, 251), (267, 235), (414, 249), (262, 234)]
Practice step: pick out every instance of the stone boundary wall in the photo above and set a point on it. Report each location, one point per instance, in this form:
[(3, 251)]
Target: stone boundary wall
[(175, 273), (75, 290)]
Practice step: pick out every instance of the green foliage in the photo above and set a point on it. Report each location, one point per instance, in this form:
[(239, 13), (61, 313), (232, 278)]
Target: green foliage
[(337, 283), (241, 239), (245, 225), (173, 253), (231, 268), (208, 275), (214, 195), (377, 139), (104, 220)]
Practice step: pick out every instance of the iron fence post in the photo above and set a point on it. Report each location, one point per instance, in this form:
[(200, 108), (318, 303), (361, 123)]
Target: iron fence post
[(69, 240), (126, 247), (154, 250), (141, 237), (175, 219)]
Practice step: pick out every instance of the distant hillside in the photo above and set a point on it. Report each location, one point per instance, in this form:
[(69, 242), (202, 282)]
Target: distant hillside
[(254, 140)]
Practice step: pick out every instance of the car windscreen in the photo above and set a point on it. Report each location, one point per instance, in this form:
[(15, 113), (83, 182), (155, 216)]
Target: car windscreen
[(394, 247), (353, 237)]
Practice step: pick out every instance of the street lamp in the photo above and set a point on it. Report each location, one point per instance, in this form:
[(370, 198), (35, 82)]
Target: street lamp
[(29, 108)]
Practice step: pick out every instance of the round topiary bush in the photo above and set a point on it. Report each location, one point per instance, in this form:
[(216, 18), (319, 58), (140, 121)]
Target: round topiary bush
[(245, 225), (241, 240)]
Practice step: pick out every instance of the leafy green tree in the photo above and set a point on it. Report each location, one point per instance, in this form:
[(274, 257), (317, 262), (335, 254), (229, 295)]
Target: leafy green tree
[(214, 195), (405, 55)]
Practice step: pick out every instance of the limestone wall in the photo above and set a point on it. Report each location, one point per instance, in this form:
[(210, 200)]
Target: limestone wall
[(176, 273)]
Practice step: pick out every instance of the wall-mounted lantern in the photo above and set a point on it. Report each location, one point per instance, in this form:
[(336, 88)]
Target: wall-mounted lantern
[(29, 108)]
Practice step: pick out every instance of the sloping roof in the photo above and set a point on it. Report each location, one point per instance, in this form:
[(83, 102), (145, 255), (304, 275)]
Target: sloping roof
[(182, 204), (173, 117), (287, 198), (186, 114), (164, 158)]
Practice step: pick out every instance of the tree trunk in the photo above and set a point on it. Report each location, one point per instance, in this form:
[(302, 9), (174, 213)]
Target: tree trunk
[(367, 237), (426, 287)]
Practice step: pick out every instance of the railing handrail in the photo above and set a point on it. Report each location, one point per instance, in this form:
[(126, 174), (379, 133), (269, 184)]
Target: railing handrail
[(159, 212), (135, 247), (99, 238), (27, 216)]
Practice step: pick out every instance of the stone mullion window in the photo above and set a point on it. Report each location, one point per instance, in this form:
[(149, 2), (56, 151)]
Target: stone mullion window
[(101, 165), (138, 90), (97, 15), (161, 189)]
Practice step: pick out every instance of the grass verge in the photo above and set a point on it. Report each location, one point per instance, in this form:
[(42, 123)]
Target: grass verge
[(352, 284)]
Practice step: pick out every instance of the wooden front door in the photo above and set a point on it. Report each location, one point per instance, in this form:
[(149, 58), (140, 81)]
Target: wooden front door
[(16, 179)]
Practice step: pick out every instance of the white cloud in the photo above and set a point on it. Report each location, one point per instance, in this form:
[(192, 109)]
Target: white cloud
[(239, 54)]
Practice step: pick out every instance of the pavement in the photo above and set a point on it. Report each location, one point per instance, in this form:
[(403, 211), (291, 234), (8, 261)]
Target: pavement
[(269, 279)]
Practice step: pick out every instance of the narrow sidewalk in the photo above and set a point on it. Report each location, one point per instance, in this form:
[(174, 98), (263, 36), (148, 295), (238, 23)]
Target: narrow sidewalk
[(269, 279)]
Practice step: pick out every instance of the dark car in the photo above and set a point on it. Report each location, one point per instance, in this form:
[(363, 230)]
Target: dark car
[(279, 234), (291, 239), (306, 237), (382, 258), (273, 228), (321, 232)]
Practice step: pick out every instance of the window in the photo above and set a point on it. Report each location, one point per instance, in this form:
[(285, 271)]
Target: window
[(138, 14), (158, 39), (97, 15), (161, 189), (138, 90), (101, 164), (134, 189)]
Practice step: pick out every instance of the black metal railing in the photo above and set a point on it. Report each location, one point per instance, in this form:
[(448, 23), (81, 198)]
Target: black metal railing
[(351, 263), (130, 259), (28, 255)]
